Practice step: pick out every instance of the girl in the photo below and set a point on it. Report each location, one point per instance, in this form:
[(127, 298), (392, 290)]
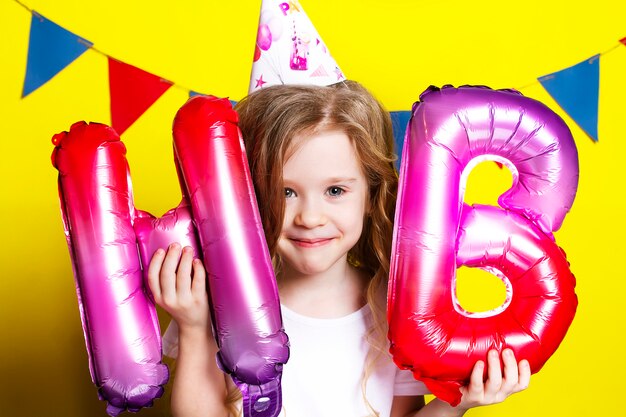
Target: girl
[(321, 160)]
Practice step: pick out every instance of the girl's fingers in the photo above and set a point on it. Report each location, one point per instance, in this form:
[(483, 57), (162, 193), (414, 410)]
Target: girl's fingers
[(498, 386), (183, 275), (168, 272), (511, 373), (494, 372), (154, 269), (476, 385), (198, 283), (524, 374)]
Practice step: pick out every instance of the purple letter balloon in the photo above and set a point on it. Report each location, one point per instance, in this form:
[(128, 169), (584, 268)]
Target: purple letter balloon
[(243, 291), (110, 241), (119, 321)]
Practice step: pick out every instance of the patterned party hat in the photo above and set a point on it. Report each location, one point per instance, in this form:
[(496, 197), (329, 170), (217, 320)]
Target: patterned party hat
[(289, 50)]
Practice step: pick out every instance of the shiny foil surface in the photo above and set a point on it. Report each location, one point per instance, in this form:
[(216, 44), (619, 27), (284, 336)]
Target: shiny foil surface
[(111, 244), (243, 291), (119, 321), (451, 131)]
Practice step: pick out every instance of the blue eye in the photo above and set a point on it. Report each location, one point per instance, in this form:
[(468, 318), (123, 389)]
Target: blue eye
[(335, 191), (289, 193)]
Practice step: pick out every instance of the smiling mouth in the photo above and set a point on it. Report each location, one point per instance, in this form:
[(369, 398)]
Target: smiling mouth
[(310, 243)]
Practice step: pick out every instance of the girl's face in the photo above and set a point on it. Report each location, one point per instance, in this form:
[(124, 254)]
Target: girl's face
[(326, 197)]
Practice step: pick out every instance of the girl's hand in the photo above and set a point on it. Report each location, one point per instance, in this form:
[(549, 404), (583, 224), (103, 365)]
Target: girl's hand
[(178, 284), (499, 384)]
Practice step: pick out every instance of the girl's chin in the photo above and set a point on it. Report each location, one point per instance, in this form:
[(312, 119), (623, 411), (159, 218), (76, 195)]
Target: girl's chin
[(312, 265)]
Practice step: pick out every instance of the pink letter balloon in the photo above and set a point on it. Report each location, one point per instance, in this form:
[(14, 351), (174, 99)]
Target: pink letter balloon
[(119, 321), (452, 130), (110, 241), (244, 296)]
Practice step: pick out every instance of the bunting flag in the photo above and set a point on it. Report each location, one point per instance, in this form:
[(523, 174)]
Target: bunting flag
[(576, 90), (51, 48), (195, 93), (132, 91), (399, 123)]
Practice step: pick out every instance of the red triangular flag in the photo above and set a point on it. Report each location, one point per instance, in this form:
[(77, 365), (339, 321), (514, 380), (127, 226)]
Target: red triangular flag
[(623, 40), (132, 91)]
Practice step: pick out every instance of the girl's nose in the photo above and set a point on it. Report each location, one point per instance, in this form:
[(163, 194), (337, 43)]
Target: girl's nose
[(310, 215)]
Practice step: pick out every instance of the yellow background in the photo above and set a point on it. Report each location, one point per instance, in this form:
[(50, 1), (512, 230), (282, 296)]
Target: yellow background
[(397, 49)]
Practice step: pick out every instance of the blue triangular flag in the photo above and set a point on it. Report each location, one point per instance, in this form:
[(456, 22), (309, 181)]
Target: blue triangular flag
[(399, 122), (576, 90), (51, 48), (195, 93)]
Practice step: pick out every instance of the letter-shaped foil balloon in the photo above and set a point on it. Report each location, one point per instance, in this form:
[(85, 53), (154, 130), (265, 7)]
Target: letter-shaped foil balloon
[(119, 322), (111, 243), (450, 132), (243, 292)]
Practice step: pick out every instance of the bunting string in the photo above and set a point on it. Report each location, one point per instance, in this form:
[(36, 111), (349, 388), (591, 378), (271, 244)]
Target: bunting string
[(52, 48), (133, 90)]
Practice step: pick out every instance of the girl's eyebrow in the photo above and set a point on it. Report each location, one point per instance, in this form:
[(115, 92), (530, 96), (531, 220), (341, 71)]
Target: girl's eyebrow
[(332, 180), (342, 179)]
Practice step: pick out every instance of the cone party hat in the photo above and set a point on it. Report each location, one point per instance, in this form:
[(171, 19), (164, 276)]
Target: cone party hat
[(289, 50)]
